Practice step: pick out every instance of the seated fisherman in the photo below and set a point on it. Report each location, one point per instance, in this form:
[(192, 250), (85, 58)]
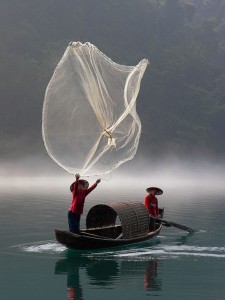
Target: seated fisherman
[(151, 203)]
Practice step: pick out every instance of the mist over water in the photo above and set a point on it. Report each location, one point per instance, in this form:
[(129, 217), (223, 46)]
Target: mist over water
[(138, 174)]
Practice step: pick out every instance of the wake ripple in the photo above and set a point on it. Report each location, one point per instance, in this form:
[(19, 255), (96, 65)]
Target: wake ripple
[(49, 247), (168, 251), (159, 251)]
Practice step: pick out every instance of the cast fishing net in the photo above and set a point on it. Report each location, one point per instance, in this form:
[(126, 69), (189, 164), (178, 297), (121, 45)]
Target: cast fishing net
[(90, 124)]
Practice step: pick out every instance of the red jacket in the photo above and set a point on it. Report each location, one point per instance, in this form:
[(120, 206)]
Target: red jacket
[(78, 198), (151, 204)]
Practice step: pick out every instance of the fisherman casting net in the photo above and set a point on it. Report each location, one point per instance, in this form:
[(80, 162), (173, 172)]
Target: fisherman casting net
[(90, 124)]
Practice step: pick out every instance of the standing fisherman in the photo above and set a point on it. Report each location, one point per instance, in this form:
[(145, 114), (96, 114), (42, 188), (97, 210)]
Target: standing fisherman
[(151, 203), (79, 190)]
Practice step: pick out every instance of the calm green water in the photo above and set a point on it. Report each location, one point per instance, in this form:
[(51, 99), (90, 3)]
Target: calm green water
[(175, 265)]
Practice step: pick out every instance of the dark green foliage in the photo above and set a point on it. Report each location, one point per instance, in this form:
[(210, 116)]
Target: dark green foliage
[(182, 98)]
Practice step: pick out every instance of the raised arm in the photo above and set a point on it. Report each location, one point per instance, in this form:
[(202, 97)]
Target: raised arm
[(93, 186), (74, 185)]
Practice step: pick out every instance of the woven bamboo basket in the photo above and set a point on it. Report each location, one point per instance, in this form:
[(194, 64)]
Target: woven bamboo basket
[(133, 216)]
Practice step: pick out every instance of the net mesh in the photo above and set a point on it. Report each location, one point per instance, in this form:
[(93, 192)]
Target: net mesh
[(90, 124)]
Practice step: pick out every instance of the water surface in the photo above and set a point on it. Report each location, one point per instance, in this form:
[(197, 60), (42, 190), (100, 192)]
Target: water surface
[(174, 265)]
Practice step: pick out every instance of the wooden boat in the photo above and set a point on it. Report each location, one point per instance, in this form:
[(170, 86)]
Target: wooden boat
[(103, 231)]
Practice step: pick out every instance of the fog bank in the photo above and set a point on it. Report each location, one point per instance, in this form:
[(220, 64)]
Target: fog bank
[(166, 173)]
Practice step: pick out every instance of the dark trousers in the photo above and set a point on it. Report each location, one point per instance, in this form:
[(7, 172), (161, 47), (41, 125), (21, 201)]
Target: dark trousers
[(74, 222), (152, 224)]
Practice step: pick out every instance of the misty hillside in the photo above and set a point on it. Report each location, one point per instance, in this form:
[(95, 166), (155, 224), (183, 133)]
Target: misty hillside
[(182, 99)]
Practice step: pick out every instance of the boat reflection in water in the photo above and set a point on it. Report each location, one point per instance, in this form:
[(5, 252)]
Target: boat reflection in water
[(104, 273)]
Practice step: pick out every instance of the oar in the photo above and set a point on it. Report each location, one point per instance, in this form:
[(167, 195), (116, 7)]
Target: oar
[(168, 224)]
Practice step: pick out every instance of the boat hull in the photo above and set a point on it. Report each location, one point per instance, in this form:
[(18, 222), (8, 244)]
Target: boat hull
[(86, 241)]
